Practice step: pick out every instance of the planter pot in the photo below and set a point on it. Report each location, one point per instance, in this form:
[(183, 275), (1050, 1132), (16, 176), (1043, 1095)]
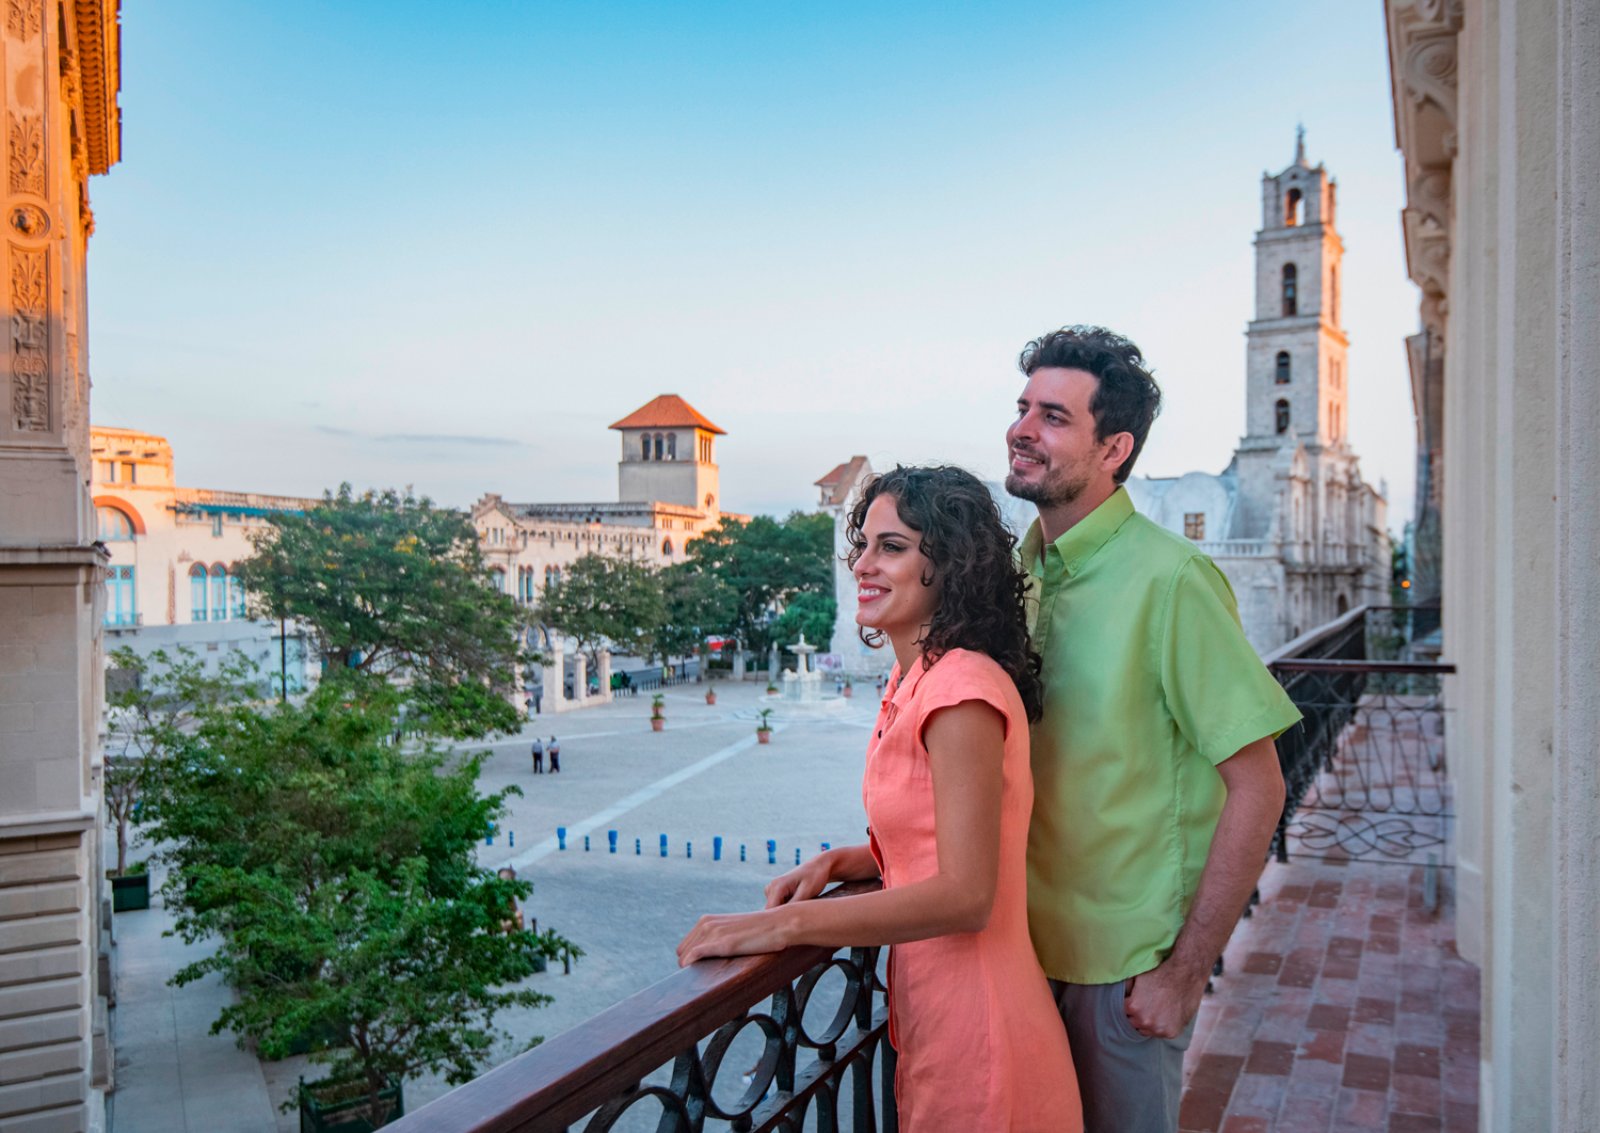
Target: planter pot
[(327, 1107), (847, 690), (763, 737), (130, 892), (657, 723), (711, 698)]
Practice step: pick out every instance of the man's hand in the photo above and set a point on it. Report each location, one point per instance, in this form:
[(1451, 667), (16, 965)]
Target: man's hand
[(1161, 1002)]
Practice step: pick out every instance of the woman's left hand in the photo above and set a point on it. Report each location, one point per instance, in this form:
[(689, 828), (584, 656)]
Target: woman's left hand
[(733, 934)]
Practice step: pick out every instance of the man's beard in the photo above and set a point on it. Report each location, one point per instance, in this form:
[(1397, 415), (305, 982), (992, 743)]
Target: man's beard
[(1050, 491)]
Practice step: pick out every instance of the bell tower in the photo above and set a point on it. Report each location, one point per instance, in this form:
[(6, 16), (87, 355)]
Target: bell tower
[(1295, 367)]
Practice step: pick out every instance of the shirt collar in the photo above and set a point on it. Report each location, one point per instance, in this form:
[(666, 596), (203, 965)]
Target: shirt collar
[(900, 695), (1080, 542)]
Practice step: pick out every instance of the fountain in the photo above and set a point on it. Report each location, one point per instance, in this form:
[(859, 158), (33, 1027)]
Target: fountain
[(805, 683)]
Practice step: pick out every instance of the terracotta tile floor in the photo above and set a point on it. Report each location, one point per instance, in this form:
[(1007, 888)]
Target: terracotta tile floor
[(1343, 1006)]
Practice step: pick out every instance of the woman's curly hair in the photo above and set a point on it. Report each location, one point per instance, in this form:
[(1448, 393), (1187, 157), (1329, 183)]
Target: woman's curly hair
[(983, 592)]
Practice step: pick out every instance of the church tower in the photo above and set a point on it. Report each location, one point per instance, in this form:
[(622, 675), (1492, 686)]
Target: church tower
[(1295, 364)]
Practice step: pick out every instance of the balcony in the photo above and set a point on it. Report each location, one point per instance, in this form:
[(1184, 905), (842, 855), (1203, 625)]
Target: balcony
[(1311, 1022)]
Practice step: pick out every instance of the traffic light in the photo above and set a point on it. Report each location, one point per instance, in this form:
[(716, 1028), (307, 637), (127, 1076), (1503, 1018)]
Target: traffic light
[(1400, 566)]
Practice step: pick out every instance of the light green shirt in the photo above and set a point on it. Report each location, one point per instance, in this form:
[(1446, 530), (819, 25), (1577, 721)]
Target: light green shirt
[(1149, 683)]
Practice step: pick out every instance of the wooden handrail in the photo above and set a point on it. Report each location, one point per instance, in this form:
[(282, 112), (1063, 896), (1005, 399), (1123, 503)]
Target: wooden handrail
[(557, 1082)]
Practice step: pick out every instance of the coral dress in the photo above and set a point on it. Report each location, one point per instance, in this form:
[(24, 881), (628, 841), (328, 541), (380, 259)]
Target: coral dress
[(980, 1044)]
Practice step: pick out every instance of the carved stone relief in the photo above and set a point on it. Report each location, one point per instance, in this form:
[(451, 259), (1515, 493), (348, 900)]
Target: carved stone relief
[(24, 18), (30, 340), (29, 221), (25, 137)]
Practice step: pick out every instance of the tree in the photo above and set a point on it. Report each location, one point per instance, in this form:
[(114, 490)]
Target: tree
[(387, 583), (154, 701), (605, 600), (811, 613), (337, 869), (766, 563), (697, 604)]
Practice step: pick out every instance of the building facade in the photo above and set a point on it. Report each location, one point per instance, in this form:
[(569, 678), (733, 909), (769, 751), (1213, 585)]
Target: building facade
[(1300, 535), (62, 126), (172, 580), (1497, 118)]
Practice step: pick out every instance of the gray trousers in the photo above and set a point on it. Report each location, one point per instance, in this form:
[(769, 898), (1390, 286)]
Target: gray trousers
[(1129, 1083)]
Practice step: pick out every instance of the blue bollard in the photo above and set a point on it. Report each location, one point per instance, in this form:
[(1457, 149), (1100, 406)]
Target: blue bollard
[(488, 839), (586, 843), (716, 848), (826, 846), (637, 847), (663, 845), (511, 837), (741, 851), (772, 851), (688, 849), (797, 855), (561, 837), (611, 837)]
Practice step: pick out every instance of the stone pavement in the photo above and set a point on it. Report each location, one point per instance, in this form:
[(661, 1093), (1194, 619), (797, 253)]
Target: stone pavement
[(1344, 1007)]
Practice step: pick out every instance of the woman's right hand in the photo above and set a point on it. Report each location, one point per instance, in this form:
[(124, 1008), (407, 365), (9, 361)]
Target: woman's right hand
[(801, 883)]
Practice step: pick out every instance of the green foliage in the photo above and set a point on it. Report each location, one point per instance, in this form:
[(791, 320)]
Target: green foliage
[(766, 564), (765, 723), (810, 612), (387, 583), (337, 870), (153, 704), (605, 600), (697, 604), (657, 704)]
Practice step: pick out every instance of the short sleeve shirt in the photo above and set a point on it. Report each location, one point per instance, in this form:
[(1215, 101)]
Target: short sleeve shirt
[(1149, 684)]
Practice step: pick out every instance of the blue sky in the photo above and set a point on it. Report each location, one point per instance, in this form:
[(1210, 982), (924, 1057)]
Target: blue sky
[(403, 243)]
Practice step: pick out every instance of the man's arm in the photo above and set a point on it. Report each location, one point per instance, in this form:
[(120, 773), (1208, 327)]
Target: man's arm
[(1164, 999)]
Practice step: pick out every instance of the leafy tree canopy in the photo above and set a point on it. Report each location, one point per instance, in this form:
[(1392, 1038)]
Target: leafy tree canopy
[(387, 583), (338, 872), (811, 613), (697, 604), (766, 563), (605, 600)]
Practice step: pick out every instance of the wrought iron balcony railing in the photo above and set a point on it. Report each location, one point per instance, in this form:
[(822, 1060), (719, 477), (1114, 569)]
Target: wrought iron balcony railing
[(824, 1056)]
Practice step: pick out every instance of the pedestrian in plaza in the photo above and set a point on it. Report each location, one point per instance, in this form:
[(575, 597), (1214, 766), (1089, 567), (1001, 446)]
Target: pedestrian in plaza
[(948, 793), (538, 756), (555, 756), (1156, 780)]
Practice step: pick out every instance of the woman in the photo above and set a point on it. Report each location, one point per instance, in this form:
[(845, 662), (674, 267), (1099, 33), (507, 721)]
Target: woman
[(948, 794)]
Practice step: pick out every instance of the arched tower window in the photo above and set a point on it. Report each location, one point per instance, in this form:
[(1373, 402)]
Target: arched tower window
[(1281, 372), (197, 592), (1291, 302), (1282, 416), (660, 446), (666, 547), (115, 526), (672, 446), (1291, 208), (644, 446)]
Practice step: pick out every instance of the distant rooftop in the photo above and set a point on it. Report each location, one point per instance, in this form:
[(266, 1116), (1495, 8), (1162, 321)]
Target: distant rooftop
[(669, 411), (836, 485)]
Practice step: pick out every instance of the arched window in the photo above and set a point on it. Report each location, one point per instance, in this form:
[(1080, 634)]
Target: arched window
[(710, 501), (1281, 374), (235, 596), (1344, 605), (644, 446), (1291, 208), (122, 607), (660, 446), (1282, 414), (1291, 303), (219, 592), (197, 592), (672, 446), (115, 526), (666, 547)]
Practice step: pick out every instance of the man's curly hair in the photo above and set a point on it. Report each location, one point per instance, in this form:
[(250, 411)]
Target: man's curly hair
[(983, 591)]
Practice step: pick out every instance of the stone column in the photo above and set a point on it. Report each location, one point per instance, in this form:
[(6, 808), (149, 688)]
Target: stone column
[(580, 679), (738, 662), (605, 676), (555, 699), (58, 109)]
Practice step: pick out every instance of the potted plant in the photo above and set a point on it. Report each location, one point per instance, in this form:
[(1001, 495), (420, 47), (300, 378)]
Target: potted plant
[(846, 689), (711, 696), (772, 688), (347, 1106), (658, 718), (764, 727), (130, 887)]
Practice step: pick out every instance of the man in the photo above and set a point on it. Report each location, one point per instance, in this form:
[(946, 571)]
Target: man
[(1156, 781), (538, 756), (555, 756)]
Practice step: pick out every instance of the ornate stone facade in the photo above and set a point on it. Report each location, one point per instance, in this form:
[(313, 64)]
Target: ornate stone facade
[(58, 62)]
